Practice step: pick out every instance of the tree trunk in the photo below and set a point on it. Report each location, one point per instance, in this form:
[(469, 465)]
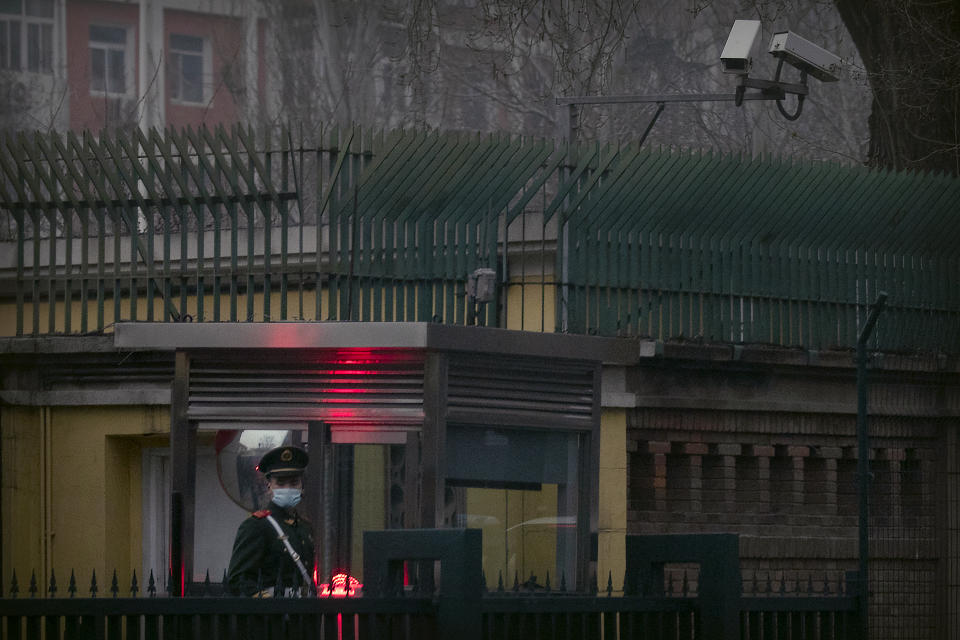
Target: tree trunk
[(911, 50)]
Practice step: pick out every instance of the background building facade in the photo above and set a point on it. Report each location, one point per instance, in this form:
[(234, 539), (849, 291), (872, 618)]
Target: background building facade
[(731, 289)]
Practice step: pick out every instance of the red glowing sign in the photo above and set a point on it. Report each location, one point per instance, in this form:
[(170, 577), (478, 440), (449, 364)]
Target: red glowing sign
[(341, 585)]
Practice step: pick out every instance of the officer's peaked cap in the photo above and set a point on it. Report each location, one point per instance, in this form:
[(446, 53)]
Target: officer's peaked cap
[(286, 460)]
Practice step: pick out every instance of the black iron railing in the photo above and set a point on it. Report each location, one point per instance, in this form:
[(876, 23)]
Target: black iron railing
[(218, 618), (450, 600)]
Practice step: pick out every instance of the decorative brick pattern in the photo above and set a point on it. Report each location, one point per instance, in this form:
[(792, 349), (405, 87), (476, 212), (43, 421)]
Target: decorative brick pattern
[(791, 494)]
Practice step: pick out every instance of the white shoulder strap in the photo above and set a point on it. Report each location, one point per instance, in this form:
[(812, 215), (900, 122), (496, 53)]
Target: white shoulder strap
[(293, 554)]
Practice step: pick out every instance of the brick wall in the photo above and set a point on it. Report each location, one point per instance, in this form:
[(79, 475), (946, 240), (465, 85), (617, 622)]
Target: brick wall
[(786, 482)]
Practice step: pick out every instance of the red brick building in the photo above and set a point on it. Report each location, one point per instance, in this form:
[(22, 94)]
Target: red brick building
[(92, 65)]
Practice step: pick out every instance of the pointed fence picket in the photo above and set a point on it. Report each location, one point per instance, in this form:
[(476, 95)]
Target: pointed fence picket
[(774, 605)]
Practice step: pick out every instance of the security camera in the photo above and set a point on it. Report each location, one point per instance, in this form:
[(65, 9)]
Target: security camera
[(738, 52), (805, 56)]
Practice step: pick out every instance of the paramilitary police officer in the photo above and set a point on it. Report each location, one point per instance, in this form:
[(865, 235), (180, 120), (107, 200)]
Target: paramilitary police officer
[(274, 546)]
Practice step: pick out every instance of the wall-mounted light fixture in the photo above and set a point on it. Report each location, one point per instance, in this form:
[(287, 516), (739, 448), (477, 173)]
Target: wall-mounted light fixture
[(481, 284)]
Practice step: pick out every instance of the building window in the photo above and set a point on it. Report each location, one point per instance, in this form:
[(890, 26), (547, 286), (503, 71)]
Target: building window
[(187, 62), (523, 489), (26, 35), (109, 62)]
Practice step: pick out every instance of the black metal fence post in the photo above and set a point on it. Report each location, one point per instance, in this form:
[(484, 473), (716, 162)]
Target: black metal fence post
[(176, 544), (719, 587), (459, 552)]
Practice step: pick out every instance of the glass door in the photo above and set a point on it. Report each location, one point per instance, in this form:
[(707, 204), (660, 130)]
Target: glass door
[(522, 489)]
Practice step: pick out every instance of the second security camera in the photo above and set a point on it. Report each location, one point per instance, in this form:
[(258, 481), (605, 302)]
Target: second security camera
[(806, 56)]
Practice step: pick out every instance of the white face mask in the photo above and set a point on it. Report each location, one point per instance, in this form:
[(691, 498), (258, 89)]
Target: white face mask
[(286, 498)]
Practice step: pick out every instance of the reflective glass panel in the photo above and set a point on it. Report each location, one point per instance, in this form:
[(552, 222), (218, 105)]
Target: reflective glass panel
[(520, 487), (191, 89), (40, 8), (116, 81), (112, 35)]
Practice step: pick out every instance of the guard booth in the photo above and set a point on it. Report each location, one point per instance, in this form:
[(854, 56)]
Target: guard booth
[(408, 425)]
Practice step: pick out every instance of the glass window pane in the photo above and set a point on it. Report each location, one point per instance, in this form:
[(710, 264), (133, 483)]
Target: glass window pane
[(113, 35), (523, 535), (186, 43), (4, 45), (46, 48), (505, 456), (97, 70), (116, 81), (11, 6), (15, 45), (33, 47), (521, 488), (192, 79), (173, 76), (40, 8)]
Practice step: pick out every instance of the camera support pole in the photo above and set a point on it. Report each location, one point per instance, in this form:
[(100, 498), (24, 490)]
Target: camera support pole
[(767, 90)]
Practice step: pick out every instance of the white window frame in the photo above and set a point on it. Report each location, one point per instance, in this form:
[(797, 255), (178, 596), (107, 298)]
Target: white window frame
[(31, 30), (128, 57), (175, 61)]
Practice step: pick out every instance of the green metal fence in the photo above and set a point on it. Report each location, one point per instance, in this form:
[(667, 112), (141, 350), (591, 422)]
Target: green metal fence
[(237, 225), (733, 250)]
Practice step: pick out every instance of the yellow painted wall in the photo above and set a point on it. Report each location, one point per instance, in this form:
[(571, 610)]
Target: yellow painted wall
[(8, 319), (96, 492), (22, 493), (76, 470), (531, 306), (299, 307), (612, 516)]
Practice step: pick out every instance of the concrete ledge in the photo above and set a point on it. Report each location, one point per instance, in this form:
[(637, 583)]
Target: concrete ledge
[(372, 335), (618, 400), (57, 344), (165, 336), (100, 397)]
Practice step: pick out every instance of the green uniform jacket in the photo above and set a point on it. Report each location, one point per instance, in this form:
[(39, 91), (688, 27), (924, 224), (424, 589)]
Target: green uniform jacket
[(260, 560)]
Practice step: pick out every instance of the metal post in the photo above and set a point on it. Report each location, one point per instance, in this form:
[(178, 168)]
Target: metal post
[(177, 582), (314, 495), (183, 463), (863, 461), (461, 573), (1, 506), (573, 122), (718, 555)]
